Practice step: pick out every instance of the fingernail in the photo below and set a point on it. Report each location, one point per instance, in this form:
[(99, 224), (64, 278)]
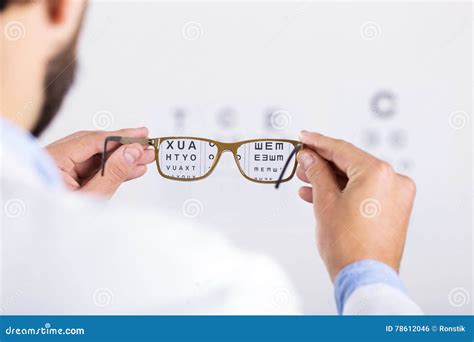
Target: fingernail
[(131, 155), (306, 160)]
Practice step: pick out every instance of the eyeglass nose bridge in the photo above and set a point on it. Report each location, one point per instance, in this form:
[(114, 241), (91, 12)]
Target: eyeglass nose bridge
[(228, 147), (233, 149)]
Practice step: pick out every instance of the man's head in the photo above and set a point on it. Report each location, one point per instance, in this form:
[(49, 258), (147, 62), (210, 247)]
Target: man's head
[(38, 43)]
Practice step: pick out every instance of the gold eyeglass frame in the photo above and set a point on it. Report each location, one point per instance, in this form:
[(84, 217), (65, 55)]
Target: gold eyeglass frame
[(221, 148)]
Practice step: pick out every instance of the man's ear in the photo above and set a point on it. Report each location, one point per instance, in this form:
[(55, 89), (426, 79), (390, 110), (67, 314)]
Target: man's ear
[(56, 10), (64, 19)]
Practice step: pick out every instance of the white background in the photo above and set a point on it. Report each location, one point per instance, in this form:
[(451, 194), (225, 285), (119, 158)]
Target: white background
[(322, 64)]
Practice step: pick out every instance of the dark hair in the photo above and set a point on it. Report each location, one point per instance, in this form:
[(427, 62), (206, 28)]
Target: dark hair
[(5, 3)]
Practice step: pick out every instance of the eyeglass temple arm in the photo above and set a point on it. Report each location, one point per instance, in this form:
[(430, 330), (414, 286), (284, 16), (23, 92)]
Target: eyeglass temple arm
[(123, 141), (292, 154)]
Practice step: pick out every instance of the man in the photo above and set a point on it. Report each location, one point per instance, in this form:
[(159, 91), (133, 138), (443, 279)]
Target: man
[(64, 252)]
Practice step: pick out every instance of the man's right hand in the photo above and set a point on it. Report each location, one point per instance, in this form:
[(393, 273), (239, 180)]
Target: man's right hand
[(78, 157), (362, 206)]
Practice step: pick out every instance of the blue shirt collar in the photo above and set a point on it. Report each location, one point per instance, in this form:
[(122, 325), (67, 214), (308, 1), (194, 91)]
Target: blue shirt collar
[(29, 153)]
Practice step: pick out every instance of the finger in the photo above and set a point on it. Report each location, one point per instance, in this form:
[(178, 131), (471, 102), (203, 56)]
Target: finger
[(96, 139), (69, 181), (137, 172), (345, 156), (67, 138), (92, 143), (301, 174), (320, 174), (341, 178), (306, 193), (147, 157), (86, 135), (88, 168), (119, 168)]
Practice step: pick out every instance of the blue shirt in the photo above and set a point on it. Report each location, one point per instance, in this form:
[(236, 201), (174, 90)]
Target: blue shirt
[(361, 273), (30, 153)]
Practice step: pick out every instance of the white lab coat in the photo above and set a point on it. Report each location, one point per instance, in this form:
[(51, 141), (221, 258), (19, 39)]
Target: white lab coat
[(66, 253)]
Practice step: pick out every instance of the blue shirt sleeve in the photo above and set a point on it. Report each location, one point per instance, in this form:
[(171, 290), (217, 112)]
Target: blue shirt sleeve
[(360, 273)]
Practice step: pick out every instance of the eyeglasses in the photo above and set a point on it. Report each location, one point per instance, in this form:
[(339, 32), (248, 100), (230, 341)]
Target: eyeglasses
[(269, 161)]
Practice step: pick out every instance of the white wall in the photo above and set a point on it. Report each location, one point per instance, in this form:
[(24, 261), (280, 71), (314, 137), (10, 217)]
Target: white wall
[(321, 63)]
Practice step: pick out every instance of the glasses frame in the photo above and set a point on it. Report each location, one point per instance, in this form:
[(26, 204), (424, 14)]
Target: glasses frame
[(221, 148)]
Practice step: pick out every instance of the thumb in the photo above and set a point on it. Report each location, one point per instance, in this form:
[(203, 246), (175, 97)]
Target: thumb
[(320, 174), (117, 170)]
